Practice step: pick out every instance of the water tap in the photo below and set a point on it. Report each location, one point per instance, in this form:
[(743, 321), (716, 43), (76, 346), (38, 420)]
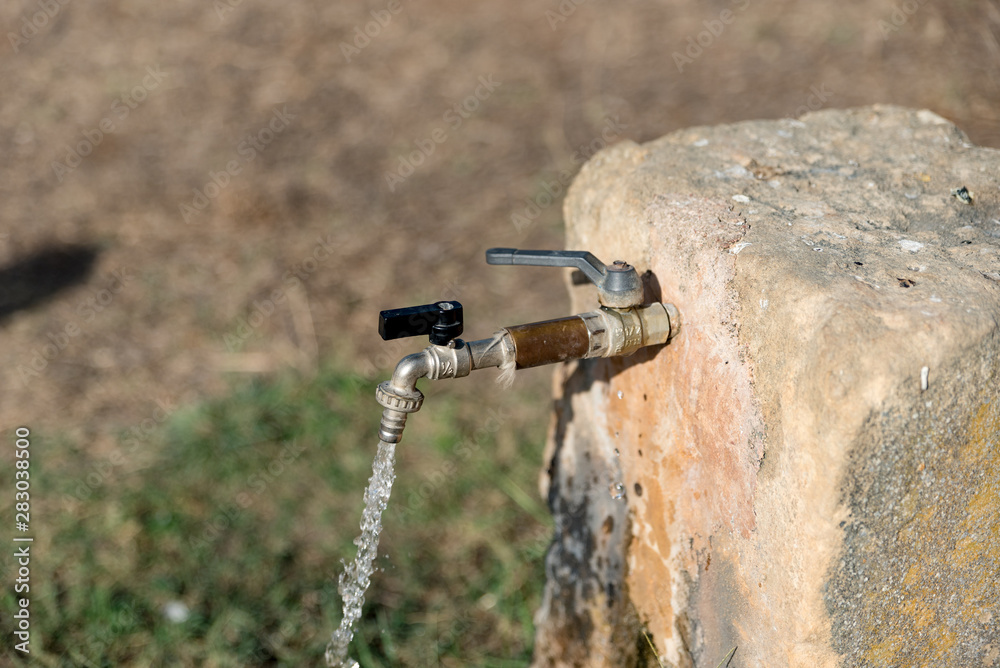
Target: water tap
[(622, 325)]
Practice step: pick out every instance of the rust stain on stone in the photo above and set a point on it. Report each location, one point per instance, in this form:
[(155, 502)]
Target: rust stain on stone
[(689, 407)]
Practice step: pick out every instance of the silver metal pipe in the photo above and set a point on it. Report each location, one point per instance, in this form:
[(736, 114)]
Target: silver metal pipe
[(495, 352)]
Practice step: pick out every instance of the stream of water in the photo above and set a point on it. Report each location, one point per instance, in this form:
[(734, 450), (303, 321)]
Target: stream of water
[(357, 575)]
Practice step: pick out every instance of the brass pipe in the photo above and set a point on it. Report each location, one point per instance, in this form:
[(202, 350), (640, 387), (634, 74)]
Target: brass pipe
[(550, 341), (606, 332)]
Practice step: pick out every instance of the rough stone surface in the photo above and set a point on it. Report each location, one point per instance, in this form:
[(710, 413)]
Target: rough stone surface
[(811, 469)]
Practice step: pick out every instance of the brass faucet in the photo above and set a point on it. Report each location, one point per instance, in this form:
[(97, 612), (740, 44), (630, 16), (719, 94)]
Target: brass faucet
[(621, 326)]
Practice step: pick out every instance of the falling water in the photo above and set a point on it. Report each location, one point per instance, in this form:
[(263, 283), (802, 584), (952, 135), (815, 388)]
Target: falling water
[(356, 576)]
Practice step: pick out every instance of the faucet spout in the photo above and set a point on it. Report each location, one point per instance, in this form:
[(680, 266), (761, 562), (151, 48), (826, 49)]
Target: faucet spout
[(400, 396)]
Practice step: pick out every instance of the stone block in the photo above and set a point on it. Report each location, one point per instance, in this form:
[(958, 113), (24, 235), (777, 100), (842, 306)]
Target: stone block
[(810, 472)]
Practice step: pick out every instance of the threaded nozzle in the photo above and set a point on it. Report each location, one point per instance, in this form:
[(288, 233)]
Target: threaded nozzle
[(391, 428)]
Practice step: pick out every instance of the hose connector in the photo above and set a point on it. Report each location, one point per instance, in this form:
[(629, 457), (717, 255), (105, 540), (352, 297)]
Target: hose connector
[(389, 397), (398, 404)]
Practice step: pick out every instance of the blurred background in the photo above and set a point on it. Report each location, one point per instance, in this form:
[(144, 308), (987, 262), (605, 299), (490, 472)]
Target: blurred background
[(204, 207)]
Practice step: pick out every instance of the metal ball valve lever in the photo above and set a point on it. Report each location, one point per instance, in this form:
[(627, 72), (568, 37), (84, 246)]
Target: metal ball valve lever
[(618, 284)]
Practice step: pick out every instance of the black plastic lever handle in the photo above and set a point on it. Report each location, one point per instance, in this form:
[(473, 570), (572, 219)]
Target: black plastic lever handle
[(441, 321), (582, 260)]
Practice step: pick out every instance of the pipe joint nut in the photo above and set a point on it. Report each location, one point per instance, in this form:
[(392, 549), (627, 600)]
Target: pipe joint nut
[(389, 397)]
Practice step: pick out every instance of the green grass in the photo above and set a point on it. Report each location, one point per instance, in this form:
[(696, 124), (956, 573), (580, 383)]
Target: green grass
[(243, 508)]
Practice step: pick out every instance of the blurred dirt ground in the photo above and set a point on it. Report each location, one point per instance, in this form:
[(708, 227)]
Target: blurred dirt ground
[(155, 99), (196, 193)]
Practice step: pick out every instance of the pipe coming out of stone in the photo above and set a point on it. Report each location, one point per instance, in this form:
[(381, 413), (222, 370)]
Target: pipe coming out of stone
[(606, 332)]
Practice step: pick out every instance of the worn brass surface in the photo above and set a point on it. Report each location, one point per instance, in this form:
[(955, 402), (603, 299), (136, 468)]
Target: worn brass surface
[(549, 341)]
